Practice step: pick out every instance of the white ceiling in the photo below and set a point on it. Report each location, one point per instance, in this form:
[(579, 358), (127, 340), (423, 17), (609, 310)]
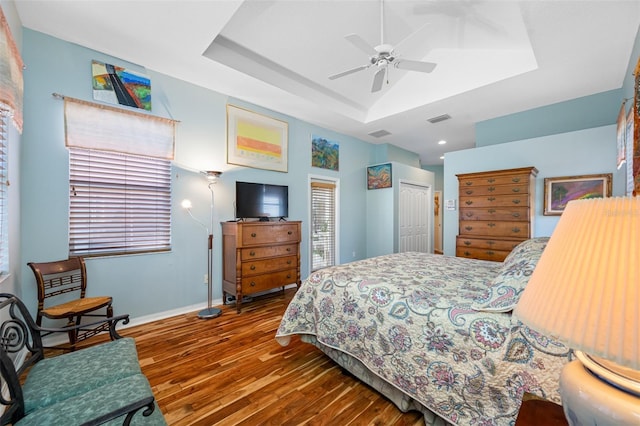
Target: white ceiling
[(495, 57)]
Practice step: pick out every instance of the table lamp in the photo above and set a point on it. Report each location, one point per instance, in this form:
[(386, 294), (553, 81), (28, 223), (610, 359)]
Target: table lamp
[(585, 291)]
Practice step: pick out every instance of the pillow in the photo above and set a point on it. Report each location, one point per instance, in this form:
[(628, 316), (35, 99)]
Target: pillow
[(505, 289)]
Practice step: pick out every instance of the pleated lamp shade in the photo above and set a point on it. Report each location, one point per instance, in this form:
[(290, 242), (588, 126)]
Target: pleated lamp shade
[(585, 289)]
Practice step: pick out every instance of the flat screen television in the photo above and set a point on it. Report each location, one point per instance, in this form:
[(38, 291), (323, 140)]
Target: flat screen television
[(261, 200)]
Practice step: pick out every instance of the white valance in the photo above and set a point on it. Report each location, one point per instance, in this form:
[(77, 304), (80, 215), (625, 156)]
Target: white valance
[(93, 126)]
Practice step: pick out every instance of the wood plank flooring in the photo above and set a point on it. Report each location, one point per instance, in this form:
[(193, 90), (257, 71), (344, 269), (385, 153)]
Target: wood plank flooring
[(231, 371)]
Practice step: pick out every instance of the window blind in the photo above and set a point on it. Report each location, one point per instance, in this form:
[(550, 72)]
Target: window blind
[(11, 78), (323, 213), (119, 203)]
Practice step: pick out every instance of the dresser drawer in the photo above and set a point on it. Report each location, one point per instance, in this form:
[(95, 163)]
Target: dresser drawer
[(495, 190), (471, 181), (487, 243), (266, 282), (518, 200), (268, 251), (495, 213), (494, 228), (267, 265), (482, 254), (259, 234)]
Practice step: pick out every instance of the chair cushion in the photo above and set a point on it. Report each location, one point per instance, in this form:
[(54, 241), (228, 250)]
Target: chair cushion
[(55, 379), (77, 306), (97, 402)]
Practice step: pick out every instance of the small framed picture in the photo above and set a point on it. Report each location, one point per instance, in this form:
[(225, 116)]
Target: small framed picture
[(379, 176), (558, 191)]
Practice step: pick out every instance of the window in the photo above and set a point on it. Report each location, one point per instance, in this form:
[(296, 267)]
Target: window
[(119, 203), (4, 183), (119, 179), (323, 224)]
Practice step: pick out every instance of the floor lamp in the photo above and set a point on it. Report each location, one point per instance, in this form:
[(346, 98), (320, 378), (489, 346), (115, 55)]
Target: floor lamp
[(210, 311)]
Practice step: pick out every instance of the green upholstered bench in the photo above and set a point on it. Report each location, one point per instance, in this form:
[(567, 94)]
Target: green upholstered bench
[(102, 384)]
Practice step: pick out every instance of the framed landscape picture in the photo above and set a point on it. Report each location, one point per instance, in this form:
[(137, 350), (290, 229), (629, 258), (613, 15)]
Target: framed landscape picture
[(558, 191), (255, 140)]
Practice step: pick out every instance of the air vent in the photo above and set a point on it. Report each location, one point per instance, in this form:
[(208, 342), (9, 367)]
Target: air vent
[(439, 118), (379, 133)]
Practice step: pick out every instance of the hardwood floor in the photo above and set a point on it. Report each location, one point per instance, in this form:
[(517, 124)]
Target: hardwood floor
[(231, 371)]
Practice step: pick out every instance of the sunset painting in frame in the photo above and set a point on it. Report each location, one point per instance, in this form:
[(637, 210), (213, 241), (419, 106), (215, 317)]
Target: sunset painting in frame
[(255, 140)]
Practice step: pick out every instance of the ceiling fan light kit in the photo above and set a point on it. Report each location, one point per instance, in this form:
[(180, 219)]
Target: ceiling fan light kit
[(382, 56)]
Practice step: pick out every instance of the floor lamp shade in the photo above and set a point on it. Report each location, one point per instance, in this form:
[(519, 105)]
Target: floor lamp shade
[(585, 291)]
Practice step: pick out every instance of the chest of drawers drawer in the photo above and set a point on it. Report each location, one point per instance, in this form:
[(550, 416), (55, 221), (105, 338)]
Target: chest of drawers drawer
[(495, 213), (496, 228), (268, 251), (489, 179), (518, 200), (259, 234), (268, 265)]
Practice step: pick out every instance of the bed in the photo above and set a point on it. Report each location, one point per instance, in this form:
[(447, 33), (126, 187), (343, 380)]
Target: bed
[(432, 333)]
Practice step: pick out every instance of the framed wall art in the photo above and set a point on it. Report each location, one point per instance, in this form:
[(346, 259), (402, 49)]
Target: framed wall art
[(325, 153), (120, 86), (255, 140), (558, 191), (379, 176)]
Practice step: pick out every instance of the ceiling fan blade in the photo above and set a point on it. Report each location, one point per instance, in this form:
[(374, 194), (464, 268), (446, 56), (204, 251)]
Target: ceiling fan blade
[(347, 72), (406, 64), (359, 42), (378, 79)]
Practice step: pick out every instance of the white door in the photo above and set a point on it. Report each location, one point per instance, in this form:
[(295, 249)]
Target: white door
[(415, 218)]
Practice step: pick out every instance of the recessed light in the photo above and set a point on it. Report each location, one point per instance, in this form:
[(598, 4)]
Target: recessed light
[(442, 157), (441, 142)]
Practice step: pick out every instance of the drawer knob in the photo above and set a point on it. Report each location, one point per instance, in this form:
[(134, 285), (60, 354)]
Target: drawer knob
[(467, 243), (288, 262), (468, 202), (515, 214), (289, 232), (515, 179), (469, 214), (515, 230), (516, 201), (468, 183), (492, 211), (490, 253), (468, 192), (468, 228), (252, 284), (491, 224), (252, 253), (491, 188), (466, 253), (491, 180), (288, 275), (491, 199), (516, 189), (253, 234), (288, 248), (252, 267)]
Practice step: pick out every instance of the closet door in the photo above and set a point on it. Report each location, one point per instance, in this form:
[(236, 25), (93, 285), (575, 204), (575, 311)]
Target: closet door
[(415, 210)]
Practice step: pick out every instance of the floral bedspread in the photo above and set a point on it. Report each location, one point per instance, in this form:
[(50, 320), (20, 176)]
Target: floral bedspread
[(408, 318)]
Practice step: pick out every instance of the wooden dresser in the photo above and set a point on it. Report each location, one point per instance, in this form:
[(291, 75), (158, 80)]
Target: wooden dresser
[(259, 256), (496, 212)]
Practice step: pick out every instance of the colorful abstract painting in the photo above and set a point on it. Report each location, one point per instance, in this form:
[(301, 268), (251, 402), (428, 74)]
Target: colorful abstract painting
[(255, 140), (324, 153), (379, 176), (117, 85)]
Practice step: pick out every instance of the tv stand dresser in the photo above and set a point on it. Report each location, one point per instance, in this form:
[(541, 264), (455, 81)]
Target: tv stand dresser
[(259, 256)]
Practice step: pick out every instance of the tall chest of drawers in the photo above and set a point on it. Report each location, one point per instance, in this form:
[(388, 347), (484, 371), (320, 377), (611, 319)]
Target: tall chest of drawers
[(259, 256), (496, 212)]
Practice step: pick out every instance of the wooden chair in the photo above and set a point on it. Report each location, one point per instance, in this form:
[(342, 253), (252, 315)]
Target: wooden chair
[(62, 286)]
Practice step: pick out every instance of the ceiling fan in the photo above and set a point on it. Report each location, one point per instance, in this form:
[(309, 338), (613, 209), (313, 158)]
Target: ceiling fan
[(382, 56)]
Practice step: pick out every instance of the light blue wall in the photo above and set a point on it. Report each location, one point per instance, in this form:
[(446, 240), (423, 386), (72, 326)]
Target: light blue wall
[(383, 208), (144, 285), (587, 112), (590, 151)]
